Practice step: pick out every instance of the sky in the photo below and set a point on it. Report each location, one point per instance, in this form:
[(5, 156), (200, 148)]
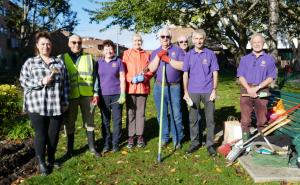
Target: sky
[(85, 28)]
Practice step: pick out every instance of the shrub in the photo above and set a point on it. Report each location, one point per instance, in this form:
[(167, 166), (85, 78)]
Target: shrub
[(12, 124), (9, 102)]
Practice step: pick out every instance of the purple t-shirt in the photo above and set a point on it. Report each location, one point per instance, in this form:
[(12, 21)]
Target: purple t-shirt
[(172, 75), (200, 67), (256, 70), (109, 74)]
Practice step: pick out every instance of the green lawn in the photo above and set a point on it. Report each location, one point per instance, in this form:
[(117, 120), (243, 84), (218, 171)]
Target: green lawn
[(138, 166)]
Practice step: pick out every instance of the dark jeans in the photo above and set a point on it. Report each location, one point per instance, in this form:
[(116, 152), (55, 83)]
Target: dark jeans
[(108, 107), (194, 116), (46, 130)]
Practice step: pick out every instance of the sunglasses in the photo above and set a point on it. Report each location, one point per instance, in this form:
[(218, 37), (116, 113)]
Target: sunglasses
[(74, 42), (183, 42), (165, 36)]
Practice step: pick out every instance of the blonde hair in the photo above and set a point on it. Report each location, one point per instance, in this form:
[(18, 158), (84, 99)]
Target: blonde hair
[(138, 36)]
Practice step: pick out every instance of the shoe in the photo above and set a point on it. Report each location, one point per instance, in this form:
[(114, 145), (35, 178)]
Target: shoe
[(192, 149), (140, 142), (106, 149), (42, 166), (211, 151), (91, 143), (70, 146), (115, 149), (130, 142), (178, 146), (52, 164)]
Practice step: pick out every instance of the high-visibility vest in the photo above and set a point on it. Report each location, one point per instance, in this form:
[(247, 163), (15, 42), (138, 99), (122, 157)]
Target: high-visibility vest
[(80, 75)]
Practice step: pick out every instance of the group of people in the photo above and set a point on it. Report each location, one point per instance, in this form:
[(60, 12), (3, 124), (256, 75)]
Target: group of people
[(54, 88)]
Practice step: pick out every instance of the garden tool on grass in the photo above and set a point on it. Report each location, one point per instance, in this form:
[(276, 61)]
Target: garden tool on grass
[(226, 148), (260, 95), (237, 150), (161, 112)]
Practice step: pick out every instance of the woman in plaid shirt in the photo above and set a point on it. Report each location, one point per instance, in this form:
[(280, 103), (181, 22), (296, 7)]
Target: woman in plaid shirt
[(46, 89)]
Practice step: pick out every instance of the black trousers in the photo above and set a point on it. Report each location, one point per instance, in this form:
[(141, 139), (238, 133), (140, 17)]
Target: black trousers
[(46, 130)]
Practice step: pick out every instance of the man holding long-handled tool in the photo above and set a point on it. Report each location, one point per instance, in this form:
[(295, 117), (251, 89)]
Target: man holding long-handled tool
[(166, 61), (256, 72), (200, 83)]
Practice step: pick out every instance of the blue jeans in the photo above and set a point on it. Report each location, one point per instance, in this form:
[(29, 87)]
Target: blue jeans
[(172, 105)]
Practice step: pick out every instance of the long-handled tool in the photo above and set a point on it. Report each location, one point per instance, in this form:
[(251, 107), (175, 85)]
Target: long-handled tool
[(260, 95), (161, 112), (238, 149)]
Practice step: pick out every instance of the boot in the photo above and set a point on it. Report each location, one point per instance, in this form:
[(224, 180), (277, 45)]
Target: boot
[(70, 146), (51, 161), (245, 136), (42, 166), (91, 143)]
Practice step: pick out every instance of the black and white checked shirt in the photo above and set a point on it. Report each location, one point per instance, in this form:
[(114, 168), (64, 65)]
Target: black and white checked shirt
[(45, 100)]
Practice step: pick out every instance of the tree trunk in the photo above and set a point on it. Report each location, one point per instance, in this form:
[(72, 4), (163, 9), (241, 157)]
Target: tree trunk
[(273, 27)]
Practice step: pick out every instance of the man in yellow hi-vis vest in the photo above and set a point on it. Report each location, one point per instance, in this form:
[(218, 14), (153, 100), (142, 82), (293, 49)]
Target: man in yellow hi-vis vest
[(80, 68)]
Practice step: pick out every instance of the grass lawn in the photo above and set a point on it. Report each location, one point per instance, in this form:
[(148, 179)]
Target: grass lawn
[(138, 166)]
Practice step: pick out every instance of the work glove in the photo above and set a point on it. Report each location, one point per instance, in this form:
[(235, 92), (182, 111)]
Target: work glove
[(122, 98), (166, 59), (162, 53), (138, 79)]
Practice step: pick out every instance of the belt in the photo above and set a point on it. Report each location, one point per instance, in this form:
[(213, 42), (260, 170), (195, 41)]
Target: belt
[(168, 83)]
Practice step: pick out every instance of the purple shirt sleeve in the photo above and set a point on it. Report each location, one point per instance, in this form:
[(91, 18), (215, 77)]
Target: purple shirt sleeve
[(186, 64), (180, 55), (214, 63), (153, 54), (121, 65)]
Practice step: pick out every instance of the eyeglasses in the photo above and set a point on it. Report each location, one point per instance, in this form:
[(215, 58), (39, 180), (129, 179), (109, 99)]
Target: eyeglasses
[(165, 36), (76, 42), (183, 42)]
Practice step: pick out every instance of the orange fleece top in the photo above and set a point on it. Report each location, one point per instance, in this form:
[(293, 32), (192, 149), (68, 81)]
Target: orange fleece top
[(135, 61)]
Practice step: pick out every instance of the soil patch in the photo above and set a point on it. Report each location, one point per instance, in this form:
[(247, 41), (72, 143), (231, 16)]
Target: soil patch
[(17, 161)]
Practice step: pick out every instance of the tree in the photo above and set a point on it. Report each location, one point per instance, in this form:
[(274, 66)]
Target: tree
[(273, 27), (34, 15), (229, 22)]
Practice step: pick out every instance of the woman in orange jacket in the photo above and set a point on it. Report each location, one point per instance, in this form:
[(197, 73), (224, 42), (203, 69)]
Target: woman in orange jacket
[(135, 61)]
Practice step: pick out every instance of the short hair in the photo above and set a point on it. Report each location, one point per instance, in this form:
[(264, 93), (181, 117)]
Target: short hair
[(137, 35), (38, 36), (109, 43), (165, 30), (200, 32), (74, 35), (257, 35)]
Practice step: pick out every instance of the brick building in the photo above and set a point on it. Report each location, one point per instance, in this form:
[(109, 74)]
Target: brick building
[(9, 40)]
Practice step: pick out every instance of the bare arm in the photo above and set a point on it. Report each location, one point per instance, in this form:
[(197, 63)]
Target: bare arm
[(176, 64), (213, 94), (252, 90), (153, 65), (185, 85), (122, 82)]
